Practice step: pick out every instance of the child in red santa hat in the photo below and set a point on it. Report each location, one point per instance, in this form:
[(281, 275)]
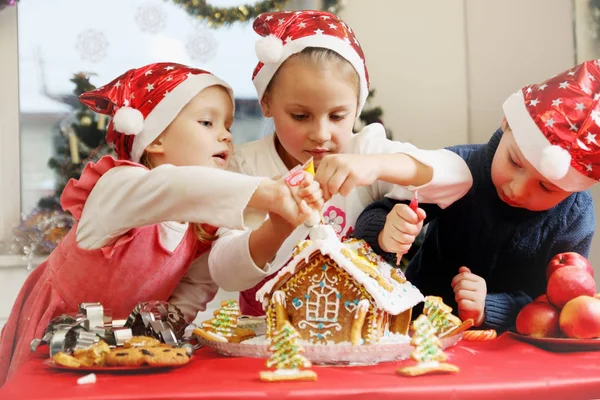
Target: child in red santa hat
[(313, 81), (145, 217), (487, 253)]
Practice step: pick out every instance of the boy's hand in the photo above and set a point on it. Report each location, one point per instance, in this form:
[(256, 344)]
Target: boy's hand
[(341, 173), (402, 225), (470, 291)]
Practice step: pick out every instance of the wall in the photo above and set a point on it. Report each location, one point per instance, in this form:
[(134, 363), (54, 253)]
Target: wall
[(9, 124), (512, 43), (416, 55)]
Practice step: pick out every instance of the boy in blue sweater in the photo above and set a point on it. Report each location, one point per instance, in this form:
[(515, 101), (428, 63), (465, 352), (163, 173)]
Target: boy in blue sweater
[(486, 254)]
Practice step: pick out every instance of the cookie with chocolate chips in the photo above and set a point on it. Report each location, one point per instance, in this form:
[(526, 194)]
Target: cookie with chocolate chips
[(164, 356), (131, 357)]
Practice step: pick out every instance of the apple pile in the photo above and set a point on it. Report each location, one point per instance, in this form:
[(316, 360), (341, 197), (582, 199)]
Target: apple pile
[(570, 306)]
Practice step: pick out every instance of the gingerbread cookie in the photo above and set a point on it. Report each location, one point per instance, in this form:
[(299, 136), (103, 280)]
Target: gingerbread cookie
[(291, 375), (131, 357), (141, 341), (427, 351), (66, 360), (467, 324), (164, 356), (424, 369), (93, 356), (241, 334), (209, 335)]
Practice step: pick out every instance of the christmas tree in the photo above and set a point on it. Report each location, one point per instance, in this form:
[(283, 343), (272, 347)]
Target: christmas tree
[(287, 357), (428, 351), (428, 347), (82, 140), (226, 319), (440, 315)]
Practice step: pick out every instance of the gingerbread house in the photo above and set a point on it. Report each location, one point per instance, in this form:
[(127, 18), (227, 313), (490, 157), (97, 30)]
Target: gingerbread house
[(334, 292)]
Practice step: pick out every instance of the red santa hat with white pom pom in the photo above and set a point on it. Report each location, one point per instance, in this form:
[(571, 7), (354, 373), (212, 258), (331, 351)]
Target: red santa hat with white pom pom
[(555, 124), (144, 101), (289, 32)]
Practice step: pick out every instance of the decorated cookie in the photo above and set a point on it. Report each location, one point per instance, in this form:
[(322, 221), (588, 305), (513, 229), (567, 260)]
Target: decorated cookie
[(286, 357), (427, 351), (223, 327), (142, 341), (209, 335)]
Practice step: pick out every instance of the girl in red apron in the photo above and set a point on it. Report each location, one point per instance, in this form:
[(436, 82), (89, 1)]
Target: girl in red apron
[(144, 218)]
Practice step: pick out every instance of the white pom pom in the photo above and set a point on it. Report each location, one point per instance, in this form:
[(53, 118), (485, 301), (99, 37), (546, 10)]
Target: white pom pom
[(128, 120), (555, 162), (269, 49)]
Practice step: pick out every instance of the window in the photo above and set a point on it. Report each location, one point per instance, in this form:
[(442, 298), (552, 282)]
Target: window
[(323, 303), (57, 40)]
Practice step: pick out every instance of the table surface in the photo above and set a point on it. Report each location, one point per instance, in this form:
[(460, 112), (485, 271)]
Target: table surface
[(504, 368)]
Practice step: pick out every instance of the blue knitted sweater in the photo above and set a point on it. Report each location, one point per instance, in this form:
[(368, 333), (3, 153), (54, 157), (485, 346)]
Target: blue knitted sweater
[(508, 247)]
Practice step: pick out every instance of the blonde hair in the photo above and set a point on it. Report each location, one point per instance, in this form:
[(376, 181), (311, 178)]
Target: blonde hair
[(199, 230), (324, 58)]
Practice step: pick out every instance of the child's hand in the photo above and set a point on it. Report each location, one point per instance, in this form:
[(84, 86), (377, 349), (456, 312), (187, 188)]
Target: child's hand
[(470, 291), (310, 191), (293, 204), (341, 173), (309, 199), (402, 225), (275, 197)]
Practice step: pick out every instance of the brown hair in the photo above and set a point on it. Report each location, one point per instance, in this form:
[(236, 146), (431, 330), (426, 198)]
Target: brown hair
[(322, 57), (199, 230)]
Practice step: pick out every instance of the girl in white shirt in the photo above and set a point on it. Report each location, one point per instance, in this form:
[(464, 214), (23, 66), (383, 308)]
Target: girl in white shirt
[(313, 81)]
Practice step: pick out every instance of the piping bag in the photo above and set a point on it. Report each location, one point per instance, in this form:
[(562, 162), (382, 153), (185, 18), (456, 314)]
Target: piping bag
[(294, 178)]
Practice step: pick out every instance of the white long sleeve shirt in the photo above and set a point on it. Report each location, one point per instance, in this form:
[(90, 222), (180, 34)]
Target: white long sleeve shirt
[(231, 265), (126, 197)]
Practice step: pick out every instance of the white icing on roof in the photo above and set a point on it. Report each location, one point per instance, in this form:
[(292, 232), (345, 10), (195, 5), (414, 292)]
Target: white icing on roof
[(323, 239)]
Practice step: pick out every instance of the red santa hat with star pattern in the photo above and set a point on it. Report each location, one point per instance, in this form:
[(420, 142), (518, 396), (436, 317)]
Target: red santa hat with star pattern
[(144, 101), (289, 32), (555, 124)]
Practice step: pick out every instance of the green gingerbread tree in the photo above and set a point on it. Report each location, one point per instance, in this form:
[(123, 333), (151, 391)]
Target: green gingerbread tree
[(287, 358), (440, 315), (428, 351), (428, 347), (226, 319), (286, 350)]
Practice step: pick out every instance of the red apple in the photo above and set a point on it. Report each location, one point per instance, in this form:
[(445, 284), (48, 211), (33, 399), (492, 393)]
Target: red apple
[(564, 259), (580, 318), (538, 320), (567, 283), (542, 298)]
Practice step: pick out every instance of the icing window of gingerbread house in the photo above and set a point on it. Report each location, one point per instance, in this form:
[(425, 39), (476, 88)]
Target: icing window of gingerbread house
[(323, 300)]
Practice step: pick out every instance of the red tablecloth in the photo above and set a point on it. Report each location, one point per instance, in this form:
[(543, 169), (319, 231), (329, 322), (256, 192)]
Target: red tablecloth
[(501, 369)]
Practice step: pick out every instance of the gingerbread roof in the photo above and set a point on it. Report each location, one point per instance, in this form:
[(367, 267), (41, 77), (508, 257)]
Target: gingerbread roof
[(385, 284)]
